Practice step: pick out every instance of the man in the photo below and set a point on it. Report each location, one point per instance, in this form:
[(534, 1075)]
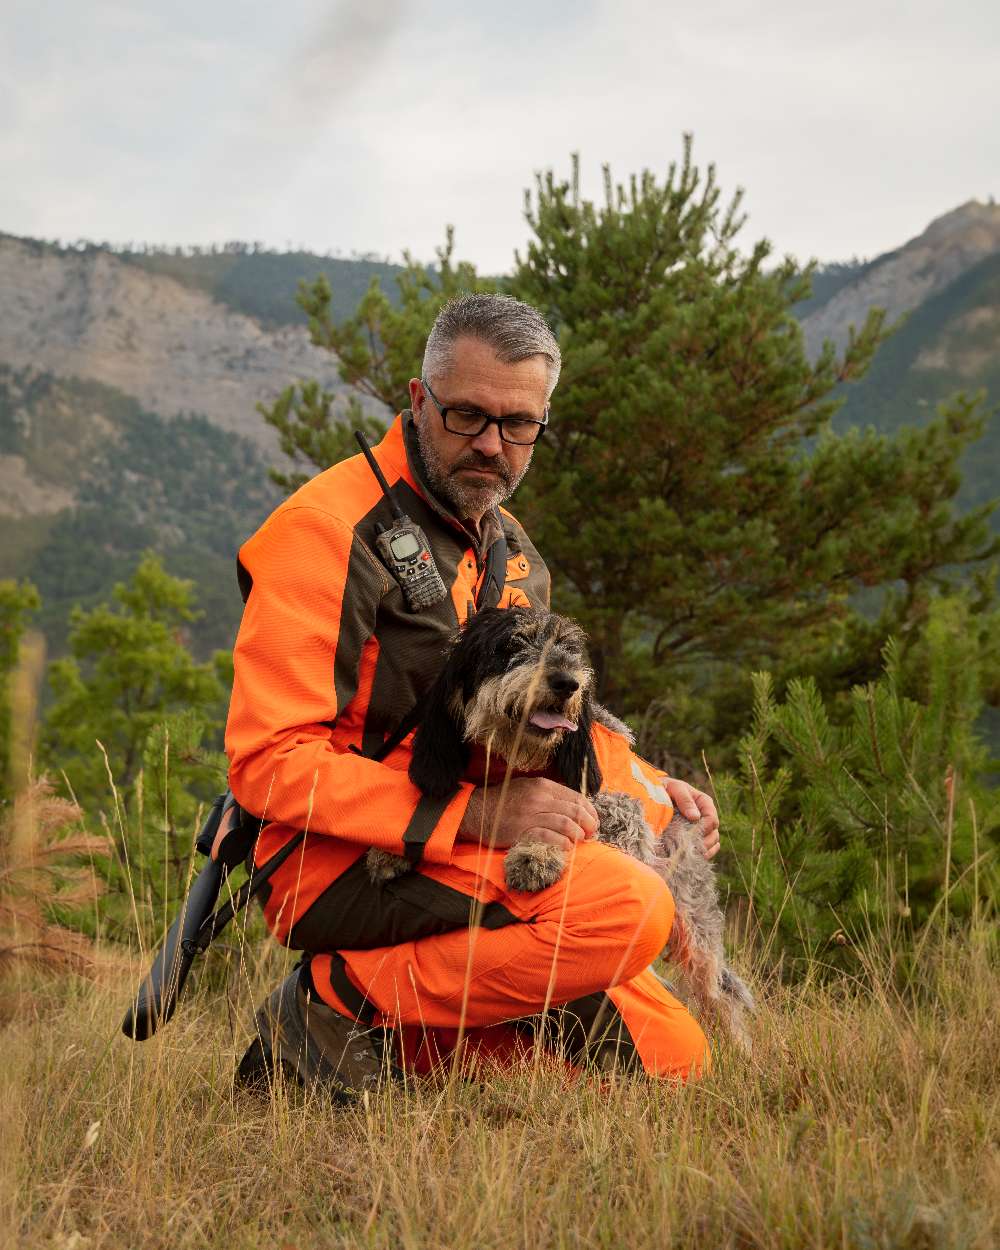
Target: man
[(329, 661)]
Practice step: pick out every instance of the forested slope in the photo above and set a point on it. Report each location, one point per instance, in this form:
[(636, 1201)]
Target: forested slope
[(261, 283), (111, 480), (129, 379)]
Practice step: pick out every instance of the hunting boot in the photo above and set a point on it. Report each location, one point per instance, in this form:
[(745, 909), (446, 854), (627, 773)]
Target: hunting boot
[(313, 1045)]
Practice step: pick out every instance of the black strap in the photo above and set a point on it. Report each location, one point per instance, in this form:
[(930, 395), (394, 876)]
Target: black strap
[(255, 881), (409, 722), (348, 993), (488, 596)]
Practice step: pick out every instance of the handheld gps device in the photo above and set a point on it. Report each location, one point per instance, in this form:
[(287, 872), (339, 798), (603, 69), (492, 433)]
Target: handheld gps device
[(404, 548)]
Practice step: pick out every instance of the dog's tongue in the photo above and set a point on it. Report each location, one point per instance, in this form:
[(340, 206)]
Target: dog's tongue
[(550, 720)]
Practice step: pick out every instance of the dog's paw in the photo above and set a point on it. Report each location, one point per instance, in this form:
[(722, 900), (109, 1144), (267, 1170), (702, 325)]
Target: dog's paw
[(532, 866), (730, 1007), (383, 866)]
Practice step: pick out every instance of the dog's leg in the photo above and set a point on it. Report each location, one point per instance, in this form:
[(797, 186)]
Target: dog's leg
[(531, 867), (696, 942)]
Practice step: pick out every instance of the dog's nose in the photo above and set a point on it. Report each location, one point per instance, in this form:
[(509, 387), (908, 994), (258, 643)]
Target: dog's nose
[(563, 683)]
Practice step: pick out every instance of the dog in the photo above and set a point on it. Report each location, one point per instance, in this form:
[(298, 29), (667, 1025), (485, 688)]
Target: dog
[(517, 682)]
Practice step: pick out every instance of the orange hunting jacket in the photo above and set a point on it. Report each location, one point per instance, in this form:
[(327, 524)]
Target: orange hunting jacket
[(328, 661)]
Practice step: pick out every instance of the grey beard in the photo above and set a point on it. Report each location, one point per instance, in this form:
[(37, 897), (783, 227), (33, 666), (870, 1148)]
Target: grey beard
[(467, 500)]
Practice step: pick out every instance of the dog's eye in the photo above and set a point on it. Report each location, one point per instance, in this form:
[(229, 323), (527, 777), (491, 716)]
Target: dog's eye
[(523, 657)]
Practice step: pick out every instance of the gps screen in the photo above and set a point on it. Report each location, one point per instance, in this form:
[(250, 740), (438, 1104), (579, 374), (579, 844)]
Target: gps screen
[(404, 546)]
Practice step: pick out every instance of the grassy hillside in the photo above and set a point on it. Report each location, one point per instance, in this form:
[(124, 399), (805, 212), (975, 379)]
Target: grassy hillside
[(868, 1116), (247, 277), (263, 284), (949, 343), (182, 487)]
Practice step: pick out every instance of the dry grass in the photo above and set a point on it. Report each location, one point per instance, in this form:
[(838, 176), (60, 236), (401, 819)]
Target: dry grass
[(42, 848), (864, 1119)]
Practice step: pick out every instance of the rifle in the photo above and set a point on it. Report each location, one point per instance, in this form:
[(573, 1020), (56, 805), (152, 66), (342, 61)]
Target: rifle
[(198, 924)]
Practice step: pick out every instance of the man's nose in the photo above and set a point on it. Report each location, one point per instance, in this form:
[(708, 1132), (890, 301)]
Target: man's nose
[(489, 443)]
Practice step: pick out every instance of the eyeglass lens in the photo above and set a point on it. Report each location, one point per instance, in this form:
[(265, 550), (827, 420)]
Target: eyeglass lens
[(471, 424)]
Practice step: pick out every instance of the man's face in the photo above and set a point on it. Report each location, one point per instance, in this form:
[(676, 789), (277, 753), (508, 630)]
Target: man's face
[(475, 474)]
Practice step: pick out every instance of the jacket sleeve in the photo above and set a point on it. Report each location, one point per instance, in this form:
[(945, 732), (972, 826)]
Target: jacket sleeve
[(316, 590)]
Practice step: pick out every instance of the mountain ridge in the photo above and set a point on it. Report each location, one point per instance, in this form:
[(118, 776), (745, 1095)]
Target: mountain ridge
[(900, 280), (97, 347)]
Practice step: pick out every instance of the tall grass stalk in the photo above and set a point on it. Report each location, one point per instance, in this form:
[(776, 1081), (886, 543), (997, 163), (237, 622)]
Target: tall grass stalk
[(868, 1115)]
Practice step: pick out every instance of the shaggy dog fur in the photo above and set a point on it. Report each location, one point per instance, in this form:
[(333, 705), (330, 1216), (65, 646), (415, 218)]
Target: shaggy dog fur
[(517, 682)]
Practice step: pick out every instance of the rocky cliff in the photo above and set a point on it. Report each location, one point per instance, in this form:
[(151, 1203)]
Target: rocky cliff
[(903, 280), (173, 348)]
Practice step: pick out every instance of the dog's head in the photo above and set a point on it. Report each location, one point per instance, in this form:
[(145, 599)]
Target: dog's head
[(517, 682)]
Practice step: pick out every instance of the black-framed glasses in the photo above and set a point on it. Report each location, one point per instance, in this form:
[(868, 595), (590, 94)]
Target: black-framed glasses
[(520, 430)]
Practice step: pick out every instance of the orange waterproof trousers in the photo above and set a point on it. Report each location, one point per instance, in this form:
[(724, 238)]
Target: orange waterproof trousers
[(586, 942)]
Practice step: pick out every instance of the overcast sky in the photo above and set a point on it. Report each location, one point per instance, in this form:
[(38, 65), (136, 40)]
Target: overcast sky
[(369, 126)]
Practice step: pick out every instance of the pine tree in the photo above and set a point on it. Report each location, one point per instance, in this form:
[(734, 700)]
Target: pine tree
[(128, 668), (868, 814), (699, 516), (133, 729), (697, 512)]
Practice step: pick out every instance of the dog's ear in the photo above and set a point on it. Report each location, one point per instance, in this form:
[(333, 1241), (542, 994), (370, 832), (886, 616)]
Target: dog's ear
[(440, 755), (576, 760)]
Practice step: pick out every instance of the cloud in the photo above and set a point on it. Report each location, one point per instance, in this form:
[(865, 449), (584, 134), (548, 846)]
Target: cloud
[(339, 54), (371, 126)]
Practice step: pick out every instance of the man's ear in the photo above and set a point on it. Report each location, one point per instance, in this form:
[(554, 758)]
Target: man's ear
[(416, 397), (440, 755), (576, 760)]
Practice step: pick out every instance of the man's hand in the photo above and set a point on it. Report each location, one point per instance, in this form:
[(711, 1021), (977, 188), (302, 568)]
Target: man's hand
[(533, 809), (695, 805)]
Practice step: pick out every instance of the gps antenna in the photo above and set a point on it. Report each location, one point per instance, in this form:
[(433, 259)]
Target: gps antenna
[(397, 511)]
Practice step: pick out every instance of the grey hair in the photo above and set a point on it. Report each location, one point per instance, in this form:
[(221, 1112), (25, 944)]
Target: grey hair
[(516, 331)]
